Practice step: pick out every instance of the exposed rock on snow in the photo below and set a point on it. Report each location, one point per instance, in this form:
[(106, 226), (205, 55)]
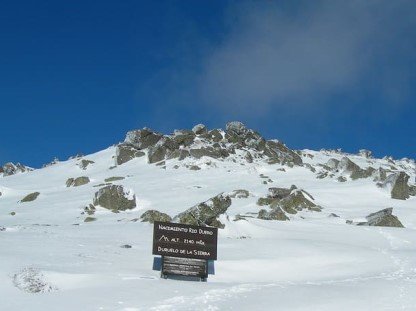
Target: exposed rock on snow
[(125, 153), (142, 139), (273, 214), (200, 143), (199, 129), (9, 169), (79, 181), (383, 218), (83, 164), (114, 178), (30, 197), (115, 198), (154, 215), (398, 185), (31, 280), (286, 200), (206, 213)]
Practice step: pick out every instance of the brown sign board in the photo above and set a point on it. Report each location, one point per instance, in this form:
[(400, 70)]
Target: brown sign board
[(185, 241)]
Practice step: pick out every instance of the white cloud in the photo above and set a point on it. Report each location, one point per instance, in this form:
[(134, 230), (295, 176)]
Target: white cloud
[(272, 56)]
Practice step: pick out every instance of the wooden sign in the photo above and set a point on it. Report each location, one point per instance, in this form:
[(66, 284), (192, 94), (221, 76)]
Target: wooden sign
[(185, 241)]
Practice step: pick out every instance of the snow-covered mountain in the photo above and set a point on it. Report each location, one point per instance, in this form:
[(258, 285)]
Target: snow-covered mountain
[(299, 230)]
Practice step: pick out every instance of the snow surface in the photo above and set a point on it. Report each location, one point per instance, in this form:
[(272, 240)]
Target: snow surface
[(312, 262)]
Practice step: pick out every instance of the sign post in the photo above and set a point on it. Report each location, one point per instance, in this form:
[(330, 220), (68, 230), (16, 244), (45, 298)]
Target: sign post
[(185, 249)]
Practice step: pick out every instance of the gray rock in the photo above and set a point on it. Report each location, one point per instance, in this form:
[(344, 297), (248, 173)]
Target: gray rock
[(83, 164), (398, 183), (341, 179), (276, 149), (199, 129), (90, 219), (178, 154), (9, 169), (211, 152), (114, 178), (248, 157), (213, 135), (30, 197), (206, 213), (79, 181), (412, 190), (125, 153), (164, 147), (361, 173), (383, 218), (346, 165), (273, 214), (143, 138), (236, 127), (332, 163), (298, 200), (154, 215), (184, 137), (115, 198), (280, 193), (194, 168)]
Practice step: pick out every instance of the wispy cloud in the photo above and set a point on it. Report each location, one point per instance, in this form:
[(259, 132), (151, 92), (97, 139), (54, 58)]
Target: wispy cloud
[(272, 56)]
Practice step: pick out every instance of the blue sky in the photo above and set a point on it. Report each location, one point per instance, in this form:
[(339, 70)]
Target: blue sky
[(76, 75)]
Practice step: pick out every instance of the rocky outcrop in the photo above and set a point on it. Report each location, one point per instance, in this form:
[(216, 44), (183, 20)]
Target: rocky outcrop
[(83, 164), (142, 139), (289, 200), (76, 182), (114, 178), (383, 218), (398, 185), (154, 215), (125, 153), (200, 143), (273, 214), (206, 213), (9, 169), (115, 198), (30, 197)]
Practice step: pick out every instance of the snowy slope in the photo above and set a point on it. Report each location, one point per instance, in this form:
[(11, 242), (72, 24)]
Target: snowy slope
[(312, 262)]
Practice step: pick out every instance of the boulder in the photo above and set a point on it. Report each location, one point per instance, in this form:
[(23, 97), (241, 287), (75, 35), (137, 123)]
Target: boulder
[(125, 153), (296, 201), (154, 215), (114, 178), (206, 213), (280, 193), (179, 154), (79, 181), (361, 173), (398, 183), (115, 198), (236, 127), (143, 138), (83, 164), (273, 214), (383, 218), (30, 197), (161, 150), (184, 137), (346, 165), (199, 129)]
